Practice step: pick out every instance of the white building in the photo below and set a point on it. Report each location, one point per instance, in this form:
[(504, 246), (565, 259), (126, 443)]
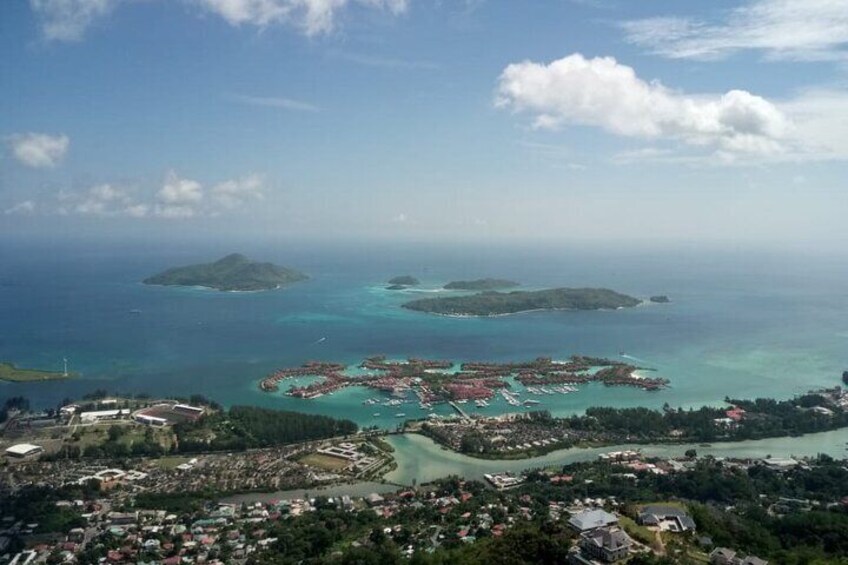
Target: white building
[(23, 450)]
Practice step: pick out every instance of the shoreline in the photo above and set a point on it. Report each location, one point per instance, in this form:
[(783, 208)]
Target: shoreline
[(504, 314)]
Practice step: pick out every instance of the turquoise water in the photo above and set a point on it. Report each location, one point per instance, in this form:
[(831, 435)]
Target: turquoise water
[(740, 324), (420, 459)]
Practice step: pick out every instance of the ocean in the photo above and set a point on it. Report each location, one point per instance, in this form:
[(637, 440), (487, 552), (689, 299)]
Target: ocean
[(740, 324)]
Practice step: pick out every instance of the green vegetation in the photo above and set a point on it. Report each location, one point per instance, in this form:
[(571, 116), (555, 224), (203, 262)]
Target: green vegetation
[(497, 303), (14, 403), (404, 281), (246, 427), (9, 372), (763, 418), (481, 284), (233, 272)]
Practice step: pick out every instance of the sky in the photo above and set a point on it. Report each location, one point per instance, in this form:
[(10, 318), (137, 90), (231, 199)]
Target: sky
[(563, 120)]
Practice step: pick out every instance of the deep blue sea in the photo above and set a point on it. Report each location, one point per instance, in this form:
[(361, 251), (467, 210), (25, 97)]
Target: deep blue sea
[(741, 324)]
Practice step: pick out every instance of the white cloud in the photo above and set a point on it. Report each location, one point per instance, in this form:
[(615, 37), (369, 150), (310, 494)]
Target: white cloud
[(67, 20), (178, 198), (277, 102), (233, 194), (603, 93), (137, 210), (314, 17), (23, 208), (783, 29), (39, 150), (179, 191), (104, 200)]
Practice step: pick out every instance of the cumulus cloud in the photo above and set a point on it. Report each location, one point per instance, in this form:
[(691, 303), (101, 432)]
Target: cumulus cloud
[(233, 194), (178, 197), (314, 17), (105, 200), (67, 20), (783, 29), (180, 191), (603, 93), (21, 208), (39, 150)]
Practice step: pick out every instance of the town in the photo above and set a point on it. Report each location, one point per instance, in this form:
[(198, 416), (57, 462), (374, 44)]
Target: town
[(625, 506)]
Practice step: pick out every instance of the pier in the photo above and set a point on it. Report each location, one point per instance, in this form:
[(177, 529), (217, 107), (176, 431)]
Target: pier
[(459, 410)]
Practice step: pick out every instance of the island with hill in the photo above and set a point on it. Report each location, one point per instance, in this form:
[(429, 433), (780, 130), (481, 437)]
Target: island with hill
[(234, 272), (9, 372), (481, 284), (492, 303)]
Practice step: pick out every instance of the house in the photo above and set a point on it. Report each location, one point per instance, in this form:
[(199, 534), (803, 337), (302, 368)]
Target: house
[(606, 544), (725, 556), (667, 518), (592, 519)]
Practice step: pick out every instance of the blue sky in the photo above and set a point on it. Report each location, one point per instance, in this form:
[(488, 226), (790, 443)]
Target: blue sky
[(427, 119)]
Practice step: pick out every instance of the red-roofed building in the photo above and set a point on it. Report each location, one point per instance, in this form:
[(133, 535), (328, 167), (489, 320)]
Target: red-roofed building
[(736, 414)]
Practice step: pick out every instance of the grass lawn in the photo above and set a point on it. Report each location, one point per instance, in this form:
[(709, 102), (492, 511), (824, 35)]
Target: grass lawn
[(326, 462), (8, 372), (637, 532)]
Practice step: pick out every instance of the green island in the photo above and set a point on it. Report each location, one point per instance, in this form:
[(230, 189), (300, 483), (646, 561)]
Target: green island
[(235, 272), (492, 303), (481, 284), (9, 372)]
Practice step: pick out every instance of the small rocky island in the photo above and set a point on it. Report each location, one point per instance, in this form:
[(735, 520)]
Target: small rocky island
[(234, 272), (660, 299), (401, 282), (481, 284), (499, 303)]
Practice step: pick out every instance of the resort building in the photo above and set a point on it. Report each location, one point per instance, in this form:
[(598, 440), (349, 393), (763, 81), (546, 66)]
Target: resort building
[(667, 518), (606, 544), (592, 519)]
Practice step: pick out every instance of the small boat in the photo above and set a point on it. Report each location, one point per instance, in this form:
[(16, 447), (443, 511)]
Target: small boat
[(135, 311), (376, 414), (400, 415)]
